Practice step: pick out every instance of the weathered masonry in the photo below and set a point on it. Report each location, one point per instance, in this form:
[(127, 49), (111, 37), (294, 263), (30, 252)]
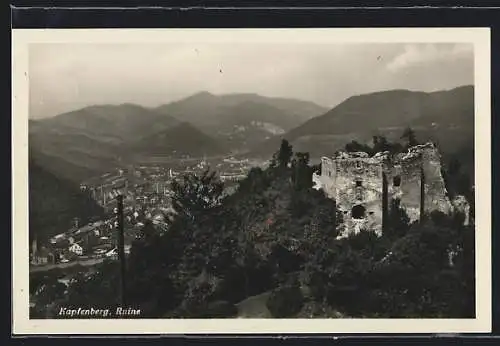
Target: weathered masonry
[(363, 187)]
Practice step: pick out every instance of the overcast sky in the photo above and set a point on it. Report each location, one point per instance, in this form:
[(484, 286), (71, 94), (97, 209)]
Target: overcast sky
[(64, 77)]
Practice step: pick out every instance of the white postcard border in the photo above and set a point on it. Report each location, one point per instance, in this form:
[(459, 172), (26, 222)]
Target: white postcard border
[(21, 38)]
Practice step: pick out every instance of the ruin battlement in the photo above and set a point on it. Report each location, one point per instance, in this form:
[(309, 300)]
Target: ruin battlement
[(412, 152), (416, 152)]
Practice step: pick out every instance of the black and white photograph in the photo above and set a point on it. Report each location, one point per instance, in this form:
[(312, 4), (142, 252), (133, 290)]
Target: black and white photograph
[(233, 175)]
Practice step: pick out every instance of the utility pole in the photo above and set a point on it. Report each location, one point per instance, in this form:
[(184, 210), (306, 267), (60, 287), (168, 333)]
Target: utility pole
[(121, 249)]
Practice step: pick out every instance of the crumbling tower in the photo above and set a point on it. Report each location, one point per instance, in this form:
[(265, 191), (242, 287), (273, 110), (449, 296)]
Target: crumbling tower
[(355, 181)]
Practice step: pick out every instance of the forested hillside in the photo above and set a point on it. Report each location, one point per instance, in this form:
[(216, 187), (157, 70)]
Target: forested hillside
[(54, 202), (273, 242)]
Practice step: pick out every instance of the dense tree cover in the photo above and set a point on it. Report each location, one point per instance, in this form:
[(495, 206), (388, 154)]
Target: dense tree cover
[(53, 204), (458, 181), (379, 144), (427, 272), (276, 233)]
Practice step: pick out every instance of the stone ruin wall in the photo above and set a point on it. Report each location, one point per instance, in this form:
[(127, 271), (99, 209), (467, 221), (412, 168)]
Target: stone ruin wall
[(355, 181), (327, 177), (404, 174), (436, 195), (359, 183), (421, 163), (409, 190)]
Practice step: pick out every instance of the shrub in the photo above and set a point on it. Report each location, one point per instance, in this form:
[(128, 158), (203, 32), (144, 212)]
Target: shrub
[(200, 290), (220, 309), (285, 301)]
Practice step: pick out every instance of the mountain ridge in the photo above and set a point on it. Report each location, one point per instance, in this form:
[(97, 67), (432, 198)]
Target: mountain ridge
[(228, 117), (108, 134), (445, 116), (104, 135)]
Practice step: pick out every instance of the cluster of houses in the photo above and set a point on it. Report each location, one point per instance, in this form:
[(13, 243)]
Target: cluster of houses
[(84, 242), (94, 240)]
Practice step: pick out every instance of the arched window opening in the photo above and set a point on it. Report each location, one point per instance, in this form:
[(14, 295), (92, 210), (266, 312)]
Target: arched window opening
[(396, 181), (359, 183), (358, 212)]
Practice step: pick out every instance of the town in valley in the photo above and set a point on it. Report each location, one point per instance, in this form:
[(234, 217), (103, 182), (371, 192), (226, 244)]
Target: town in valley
[(146, 191)]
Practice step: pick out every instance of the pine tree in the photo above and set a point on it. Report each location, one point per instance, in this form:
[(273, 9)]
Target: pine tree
[(285, 153), (301, 172)]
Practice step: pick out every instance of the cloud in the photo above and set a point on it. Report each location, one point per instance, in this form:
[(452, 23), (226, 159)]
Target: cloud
[(420, 54)]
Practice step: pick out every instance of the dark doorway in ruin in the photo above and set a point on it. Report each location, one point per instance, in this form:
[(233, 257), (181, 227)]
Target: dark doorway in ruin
[(396, 181), (359, 183), (358, 212)]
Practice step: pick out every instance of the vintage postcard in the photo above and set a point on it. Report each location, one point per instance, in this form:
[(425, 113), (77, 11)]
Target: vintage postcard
[(251, 181)]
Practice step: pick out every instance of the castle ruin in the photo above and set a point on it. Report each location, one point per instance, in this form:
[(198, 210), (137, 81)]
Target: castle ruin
[(363, 186)]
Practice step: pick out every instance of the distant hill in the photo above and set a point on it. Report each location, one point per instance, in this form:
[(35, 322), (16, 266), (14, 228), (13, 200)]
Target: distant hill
[(180, 140), (446, 117), (54, 202), (113, 124), (92, 140), (387, 109), (241, 119)]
